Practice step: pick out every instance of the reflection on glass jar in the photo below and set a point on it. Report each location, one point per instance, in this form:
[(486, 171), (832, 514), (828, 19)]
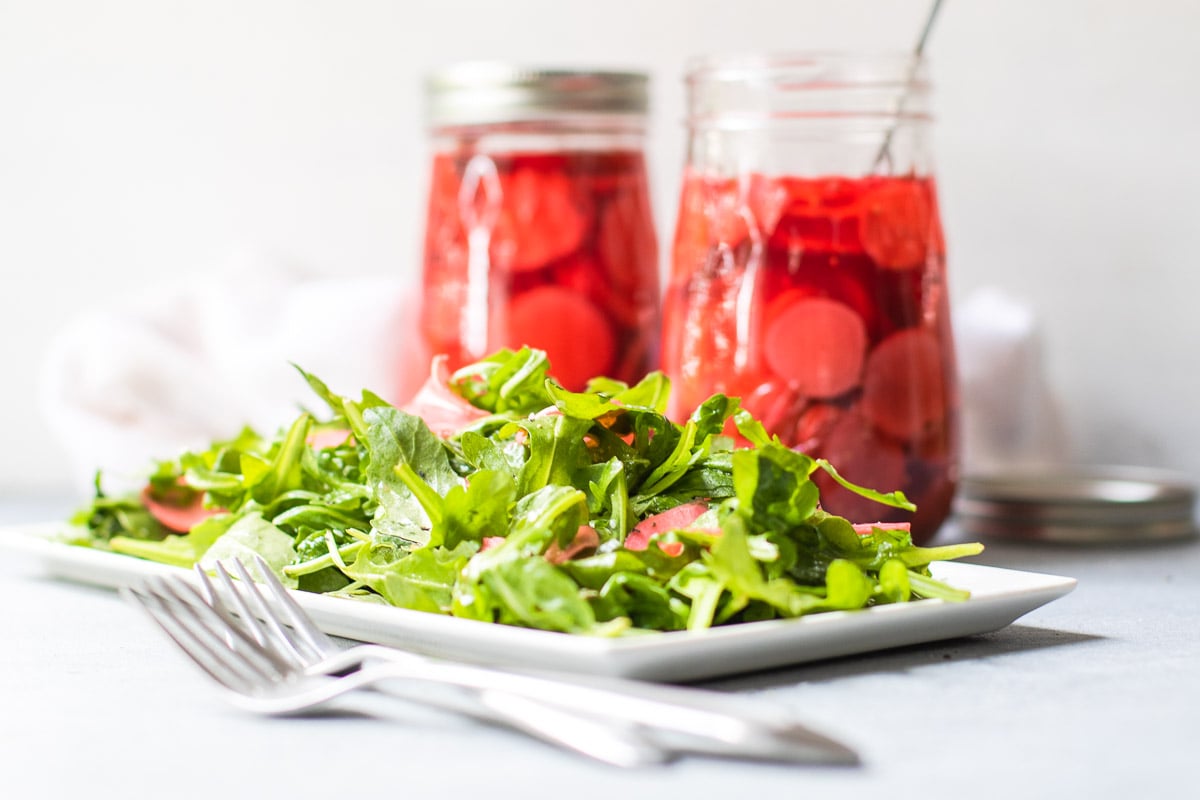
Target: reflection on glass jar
[(539, 229), (808, 272)]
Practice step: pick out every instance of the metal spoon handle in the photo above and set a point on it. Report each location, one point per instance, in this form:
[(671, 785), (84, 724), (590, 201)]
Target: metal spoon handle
[(884, 153)]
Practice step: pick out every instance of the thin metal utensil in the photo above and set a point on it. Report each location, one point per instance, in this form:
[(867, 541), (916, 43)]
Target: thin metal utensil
[(885, 150), (673, 718), (264, 681)]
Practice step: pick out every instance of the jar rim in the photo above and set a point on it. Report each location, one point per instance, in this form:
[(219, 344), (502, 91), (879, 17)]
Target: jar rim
[(749, 64)]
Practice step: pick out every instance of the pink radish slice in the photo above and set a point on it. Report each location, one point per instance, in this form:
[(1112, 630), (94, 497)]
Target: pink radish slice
[(329, 437), (575, 334), (673, 519), (178, 518), (818, 345), (445, 412), (585, 542), (865, 528), (904, 388)]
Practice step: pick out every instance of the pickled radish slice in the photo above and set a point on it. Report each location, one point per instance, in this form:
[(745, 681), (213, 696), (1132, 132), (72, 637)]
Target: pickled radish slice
[(897, 225), (625, 241), (444, 411), (814, 425), (820, 214), (818, 344), (575, 334), (785, 300), (846, 282), (673, 519), (584, 544), (540, 219), (177, 513), (324, 438), (776, 405), (867, 528), (904, 387), (860, 456)]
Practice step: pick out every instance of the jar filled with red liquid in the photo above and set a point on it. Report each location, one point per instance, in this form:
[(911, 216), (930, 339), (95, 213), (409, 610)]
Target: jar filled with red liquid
[(539, 229), (808, 272)]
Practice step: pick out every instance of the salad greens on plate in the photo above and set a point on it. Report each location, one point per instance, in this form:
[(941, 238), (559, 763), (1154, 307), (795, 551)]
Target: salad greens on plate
[(498, 495)]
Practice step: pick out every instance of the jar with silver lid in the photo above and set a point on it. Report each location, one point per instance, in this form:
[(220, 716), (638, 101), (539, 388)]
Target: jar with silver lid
[(539, 228)]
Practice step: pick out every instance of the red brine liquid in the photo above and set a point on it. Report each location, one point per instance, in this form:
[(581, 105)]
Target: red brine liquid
[(822, 303), (552, 250)]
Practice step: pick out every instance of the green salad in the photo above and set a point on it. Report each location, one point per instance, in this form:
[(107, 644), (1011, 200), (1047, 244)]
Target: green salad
[(497, 495)]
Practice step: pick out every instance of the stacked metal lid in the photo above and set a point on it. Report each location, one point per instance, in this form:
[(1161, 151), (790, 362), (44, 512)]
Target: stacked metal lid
[(1108, 505)]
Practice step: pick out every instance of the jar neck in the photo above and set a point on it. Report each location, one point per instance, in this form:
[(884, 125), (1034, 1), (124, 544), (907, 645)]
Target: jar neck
[(569, 133), (809, 115)]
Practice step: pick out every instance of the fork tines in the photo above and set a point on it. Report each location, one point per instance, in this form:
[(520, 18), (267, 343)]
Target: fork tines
[(207, 635)]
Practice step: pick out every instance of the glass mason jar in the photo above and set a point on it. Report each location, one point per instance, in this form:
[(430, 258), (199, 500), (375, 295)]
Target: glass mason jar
[(808, 271), (539, 228)]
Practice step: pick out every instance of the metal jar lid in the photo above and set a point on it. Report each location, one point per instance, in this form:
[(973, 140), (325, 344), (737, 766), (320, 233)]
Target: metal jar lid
[(1072, 505), (487, 92)]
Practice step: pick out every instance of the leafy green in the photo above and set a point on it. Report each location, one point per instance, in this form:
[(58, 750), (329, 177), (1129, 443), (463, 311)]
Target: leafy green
[(542, 512), (506, 382), (397, 440), (179, 551), (250, 536)]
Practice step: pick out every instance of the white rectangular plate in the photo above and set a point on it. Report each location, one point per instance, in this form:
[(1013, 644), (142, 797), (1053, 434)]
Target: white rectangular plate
[(998, 597)]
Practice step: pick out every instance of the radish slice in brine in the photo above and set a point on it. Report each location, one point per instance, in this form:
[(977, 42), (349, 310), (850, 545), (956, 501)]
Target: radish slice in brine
[(904, 388), (817, 344), (575, 334)]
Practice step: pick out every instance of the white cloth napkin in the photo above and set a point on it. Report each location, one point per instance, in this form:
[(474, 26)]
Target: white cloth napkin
[(1011, 417), (179, 366)]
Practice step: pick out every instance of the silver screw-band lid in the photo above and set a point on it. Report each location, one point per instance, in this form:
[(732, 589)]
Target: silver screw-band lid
[(485, 92)]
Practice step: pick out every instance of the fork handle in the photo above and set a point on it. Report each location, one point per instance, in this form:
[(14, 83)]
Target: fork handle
[(604, 740), (675, 718)]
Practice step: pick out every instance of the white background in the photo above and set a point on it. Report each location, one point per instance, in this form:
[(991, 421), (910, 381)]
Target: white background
[(141, 141)]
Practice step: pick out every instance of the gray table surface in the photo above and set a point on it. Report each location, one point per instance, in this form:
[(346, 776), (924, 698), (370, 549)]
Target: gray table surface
[(1094, 695)]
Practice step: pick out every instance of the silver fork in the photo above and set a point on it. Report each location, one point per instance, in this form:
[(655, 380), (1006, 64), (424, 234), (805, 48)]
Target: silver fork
[(262, 680), (677, 720)]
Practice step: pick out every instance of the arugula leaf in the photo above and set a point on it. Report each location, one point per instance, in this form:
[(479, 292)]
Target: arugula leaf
[(643, 600), (895, 499), (250, 535), (179, 550), (732, 562), (552, 513), (109, 517), (344, 409), (505, 382), (482, 452), (480, 509), (421, 579), (692, 443), (557, 451), (535, 593), (608, 498), (397, 439), (773, 484), (697, 583)]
